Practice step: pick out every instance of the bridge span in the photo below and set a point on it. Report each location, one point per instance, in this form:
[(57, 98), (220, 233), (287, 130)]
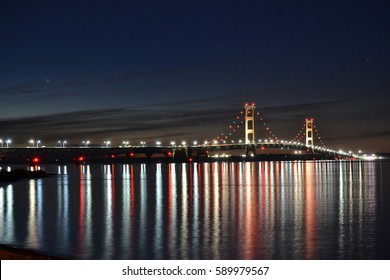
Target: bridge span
[(239, 151), (222, 146)]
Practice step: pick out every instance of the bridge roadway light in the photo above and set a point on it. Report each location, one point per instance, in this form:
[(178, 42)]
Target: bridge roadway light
[(240, 141), (215, 142), (143, 143), (107, 143), (38, 142), (183, 143), (158, 143), (86, 143), (62, 143), (195, 143), (1, 142), (173, 143), (125, 143), (8, 141)]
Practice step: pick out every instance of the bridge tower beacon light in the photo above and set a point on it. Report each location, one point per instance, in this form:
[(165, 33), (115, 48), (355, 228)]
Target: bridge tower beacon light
[(309, 132), (249, 123)]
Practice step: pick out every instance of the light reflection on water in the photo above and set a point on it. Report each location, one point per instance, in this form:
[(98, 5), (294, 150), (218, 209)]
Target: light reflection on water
[(265, 210)]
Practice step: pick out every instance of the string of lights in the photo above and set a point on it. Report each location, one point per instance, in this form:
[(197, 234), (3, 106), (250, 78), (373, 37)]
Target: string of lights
[(236, 128), (233, 129), (301, 134), (268, 131), (317, 133)]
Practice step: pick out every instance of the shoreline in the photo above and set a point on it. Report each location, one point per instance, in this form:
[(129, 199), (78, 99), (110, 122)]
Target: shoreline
[(8, 252), (19, 174)]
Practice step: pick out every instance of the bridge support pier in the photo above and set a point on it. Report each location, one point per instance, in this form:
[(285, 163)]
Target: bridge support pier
[(202, 154), (250, 150), (169, 153)]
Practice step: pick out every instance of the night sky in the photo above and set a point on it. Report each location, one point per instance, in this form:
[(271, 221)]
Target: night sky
[(182, 70)]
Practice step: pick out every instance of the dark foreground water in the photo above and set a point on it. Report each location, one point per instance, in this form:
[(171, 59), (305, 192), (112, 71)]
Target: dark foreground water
[(266, 210)]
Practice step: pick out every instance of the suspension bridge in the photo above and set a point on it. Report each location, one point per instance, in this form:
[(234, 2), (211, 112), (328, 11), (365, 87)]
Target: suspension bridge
[(247, 137)]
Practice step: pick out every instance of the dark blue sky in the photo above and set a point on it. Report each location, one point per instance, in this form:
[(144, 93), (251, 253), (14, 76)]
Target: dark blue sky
[(182, 70)]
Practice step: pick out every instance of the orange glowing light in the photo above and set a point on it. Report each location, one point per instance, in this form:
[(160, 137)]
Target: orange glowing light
[(81, 158), (35, 160)]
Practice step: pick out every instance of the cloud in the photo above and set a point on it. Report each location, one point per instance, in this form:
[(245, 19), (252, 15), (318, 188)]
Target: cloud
[(156, 73), (136, 122), (304, 106), (201, 119), (44, 86), (27, 88), (365, 135)]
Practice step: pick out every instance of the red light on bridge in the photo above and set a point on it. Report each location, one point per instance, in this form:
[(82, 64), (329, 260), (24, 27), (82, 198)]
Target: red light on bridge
[(246, 104), (132, 154), (80, 158), (169, 153), (262, 148), (35, 160), (190, 159), (112, 156)]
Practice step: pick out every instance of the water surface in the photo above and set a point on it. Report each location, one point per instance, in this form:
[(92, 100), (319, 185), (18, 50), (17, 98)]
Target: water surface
[(250, 210)]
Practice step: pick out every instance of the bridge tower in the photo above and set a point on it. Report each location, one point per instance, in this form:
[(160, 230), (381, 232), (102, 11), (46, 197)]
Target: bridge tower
[(249, 123), (309, 132)]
